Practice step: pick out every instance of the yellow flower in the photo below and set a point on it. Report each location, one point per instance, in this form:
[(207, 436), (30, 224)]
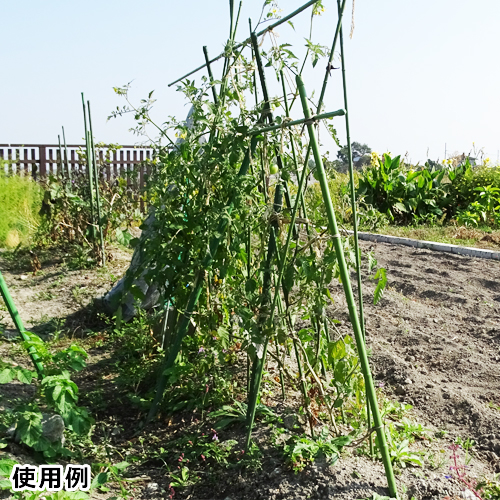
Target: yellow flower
[(375, 157)]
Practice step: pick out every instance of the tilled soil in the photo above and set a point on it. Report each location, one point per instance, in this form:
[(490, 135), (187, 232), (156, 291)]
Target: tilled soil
[(435, 338), (435, 343)]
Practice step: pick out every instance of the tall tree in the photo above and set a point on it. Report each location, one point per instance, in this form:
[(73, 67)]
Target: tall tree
[(360, 156)]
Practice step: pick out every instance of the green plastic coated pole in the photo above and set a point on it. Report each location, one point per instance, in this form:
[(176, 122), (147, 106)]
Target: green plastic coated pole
[(332, 53), (344, 273), (89, 171), (60, 156), (210, 75), (96, 181), (322, 116), (14, 314), (66, 159), (245, 42), (269, 113), (354, 211)]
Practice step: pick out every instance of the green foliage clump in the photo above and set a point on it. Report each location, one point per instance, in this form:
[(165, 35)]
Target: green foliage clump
[(199, 379), (401, 193), (426, 195), (55, 393), (20, 199), (66, 210), (299, 451)]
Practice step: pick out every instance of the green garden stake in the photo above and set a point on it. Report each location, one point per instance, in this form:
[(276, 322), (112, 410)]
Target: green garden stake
[(14, 314), (231, 17), (346, 283), (66, 161), (245, 42), (96, 181), (210, 75), (61, 171), (269, 113), (89, 172), (329, 66), (266, 319), (354, 215)]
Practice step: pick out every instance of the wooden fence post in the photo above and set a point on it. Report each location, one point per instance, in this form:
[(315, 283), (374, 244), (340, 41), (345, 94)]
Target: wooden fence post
[(42, 159)]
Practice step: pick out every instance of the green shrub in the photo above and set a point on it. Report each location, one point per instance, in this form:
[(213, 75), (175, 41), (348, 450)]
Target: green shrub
[(463, 188), (402, 193), (20, 199)]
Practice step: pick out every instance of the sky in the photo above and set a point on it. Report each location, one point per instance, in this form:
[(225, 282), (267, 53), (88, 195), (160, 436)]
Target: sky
[(422, 77)]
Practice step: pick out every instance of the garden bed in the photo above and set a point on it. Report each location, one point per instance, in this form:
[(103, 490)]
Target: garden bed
[(435, 342)]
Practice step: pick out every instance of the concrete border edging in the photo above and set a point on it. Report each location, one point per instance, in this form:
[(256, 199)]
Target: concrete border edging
[(430, 245)]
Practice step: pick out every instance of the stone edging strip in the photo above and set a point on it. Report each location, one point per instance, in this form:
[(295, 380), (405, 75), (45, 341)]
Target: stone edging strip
[(430, 245)]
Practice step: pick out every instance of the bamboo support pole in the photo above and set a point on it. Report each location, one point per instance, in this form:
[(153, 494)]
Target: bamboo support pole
[(96, 181), (14, 314), (344, 273)]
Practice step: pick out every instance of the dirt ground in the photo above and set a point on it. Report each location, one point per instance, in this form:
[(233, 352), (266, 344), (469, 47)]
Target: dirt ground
[(435, 343)]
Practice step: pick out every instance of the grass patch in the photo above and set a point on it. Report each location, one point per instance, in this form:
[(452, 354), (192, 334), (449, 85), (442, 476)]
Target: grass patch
[(20, 199)]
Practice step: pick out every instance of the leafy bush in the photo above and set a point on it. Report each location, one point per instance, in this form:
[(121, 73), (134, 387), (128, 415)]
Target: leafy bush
[(66, 211), (465, 181), (20, 199), (402, 193), (54, 392), (427, 195)]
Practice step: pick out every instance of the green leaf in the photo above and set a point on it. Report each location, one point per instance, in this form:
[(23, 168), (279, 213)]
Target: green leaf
[(6, 466), (99, 480), (5, 484), (29, 427), (7, 375), (336, 350), (24, 376), (56, 392), (123, 237), (382, 282)]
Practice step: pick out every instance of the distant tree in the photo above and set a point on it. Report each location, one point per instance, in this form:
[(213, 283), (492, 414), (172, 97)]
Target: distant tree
[(360, 156)]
